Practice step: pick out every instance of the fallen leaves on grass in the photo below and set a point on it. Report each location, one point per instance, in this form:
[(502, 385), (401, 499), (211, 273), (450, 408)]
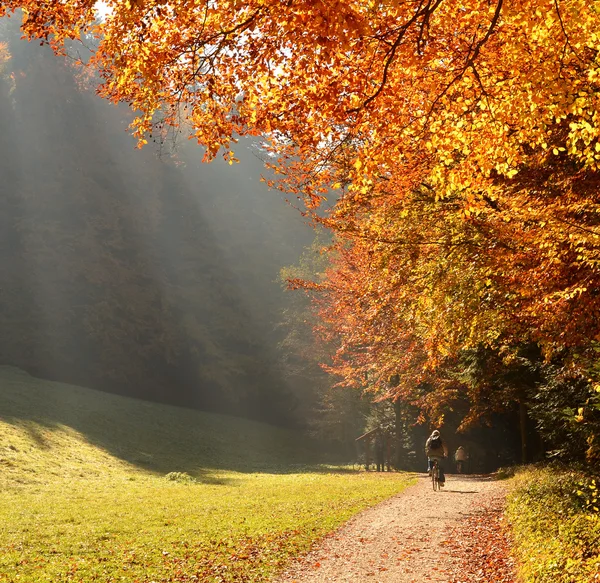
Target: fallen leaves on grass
[(248, 559)]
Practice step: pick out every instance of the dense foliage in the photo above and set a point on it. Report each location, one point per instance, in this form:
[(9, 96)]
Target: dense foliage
[(555, 523)]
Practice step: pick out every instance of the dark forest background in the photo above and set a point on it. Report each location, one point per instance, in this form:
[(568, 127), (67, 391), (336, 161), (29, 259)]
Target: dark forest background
[(145, 275)]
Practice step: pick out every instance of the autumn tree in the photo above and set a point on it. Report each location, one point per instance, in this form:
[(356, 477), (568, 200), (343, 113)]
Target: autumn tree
[(461, 140)]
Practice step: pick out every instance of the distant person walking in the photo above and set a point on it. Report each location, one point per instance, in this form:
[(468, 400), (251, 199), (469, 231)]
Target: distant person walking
[(436, 449), (460, 458)]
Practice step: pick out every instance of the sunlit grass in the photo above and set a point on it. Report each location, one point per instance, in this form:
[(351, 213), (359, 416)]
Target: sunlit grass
[(242, 527), (90, 501), (555, 522)]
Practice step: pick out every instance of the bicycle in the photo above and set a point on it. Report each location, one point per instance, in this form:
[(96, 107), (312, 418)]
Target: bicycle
[(435, 475)]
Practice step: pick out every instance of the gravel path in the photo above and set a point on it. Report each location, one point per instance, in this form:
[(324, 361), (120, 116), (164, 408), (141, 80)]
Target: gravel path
[(405, 539)]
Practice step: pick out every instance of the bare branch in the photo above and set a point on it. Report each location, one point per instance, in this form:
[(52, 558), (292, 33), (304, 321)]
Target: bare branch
[(562, 26)]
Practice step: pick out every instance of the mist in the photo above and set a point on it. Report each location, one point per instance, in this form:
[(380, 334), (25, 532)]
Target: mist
[(143, 275)]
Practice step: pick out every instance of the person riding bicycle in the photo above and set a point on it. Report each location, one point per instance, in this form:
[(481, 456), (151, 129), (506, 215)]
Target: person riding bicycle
[(436, 449)]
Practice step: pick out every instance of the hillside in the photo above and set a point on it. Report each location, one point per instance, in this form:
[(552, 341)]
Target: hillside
[(93, 489), (55, 429)]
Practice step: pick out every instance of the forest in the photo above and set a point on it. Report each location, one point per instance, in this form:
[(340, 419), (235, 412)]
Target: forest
[(246, 244), (457, 280), (137, 272)]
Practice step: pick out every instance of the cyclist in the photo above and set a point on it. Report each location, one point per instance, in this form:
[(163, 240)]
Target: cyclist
[(435, 448)]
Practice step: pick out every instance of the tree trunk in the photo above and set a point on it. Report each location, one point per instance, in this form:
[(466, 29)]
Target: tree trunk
[(388, 448), (399, 433), (523, 426)]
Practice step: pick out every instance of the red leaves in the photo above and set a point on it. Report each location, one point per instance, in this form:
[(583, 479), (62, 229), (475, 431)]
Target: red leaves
[(482, 545)]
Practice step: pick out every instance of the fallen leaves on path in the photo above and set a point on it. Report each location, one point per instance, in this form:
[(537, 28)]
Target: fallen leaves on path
[(481, 545), (416, 537)]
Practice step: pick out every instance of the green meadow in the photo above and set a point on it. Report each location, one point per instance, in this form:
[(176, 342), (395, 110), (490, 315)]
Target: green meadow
[(97, 487)]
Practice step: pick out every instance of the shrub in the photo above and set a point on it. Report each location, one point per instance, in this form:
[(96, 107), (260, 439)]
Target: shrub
[(554, 517), (181, 477)]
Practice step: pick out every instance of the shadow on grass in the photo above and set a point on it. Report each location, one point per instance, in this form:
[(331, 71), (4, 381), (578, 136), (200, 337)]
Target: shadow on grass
[(218, 481), (156, 438), (473, 477), (34, 432)]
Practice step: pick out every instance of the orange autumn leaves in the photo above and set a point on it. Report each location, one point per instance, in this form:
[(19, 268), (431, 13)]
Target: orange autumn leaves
[(385, 74), (468, 82), (461, 139)]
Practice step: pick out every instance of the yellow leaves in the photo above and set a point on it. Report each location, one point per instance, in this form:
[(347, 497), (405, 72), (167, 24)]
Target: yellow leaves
[(4, 54), (295, 70), (131, 4), (230, 158)]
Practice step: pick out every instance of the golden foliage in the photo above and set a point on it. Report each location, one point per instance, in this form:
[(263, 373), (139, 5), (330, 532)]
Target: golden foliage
[(460, 138)]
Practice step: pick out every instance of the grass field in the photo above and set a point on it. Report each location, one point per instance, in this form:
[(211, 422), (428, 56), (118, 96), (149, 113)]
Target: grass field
[(97, 487)]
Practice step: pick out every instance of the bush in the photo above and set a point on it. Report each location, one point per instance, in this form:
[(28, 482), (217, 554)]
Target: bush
[(181, 477), (554, 517)]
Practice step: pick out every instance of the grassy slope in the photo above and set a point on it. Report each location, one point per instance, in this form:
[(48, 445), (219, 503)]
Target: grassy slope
[(555, 522), (84, 496), (62, 429)]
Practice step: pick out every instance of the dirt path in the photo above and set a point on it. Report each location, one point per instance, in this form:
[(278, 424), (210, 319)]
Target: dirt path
[(403, 540)]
